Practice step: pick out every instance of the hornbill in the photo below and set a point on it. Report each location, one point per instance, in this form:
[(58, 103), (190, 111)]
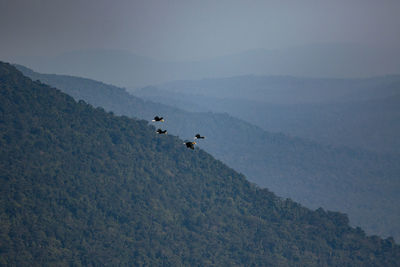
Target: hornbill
[(198, 136), (159, 131), (156, 118), (190, 144)]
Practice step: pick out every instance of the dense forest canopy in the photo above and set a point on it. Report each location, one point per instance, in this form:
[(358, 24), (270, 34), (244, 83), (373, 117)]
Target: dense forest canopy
[(361, 183), (80, 186)]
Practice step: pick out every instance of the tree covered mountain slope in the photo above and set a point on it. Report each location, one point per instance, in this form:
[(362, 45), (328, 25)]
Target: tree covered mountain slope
[(363, 184), (80, 186)]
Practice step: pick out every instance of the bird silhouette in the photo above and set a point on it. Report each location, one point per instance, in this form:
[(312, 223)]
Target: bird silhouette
[(198, 136), (159, 131), (190, 144), (156, 118)]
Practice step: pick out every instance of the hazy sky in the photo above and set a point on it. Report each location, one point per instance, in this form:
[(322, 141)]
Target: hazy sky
[(191, 29)]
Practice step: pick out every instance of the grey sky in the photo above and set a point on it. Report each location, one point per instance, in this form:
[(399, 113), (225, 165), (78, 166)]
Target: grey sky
[(191, 29)]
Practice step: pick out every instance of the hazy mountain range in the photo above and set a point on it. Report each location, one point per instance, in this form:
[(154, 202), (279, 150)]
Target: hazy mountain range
[(129, 70), (81, 186), (361, 183), (349, 112)]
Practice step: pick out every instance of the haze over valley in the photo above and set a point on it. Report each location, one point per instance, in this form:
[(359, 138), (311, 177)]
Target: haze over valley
[(298, 103), (122, 68), (363, 113)]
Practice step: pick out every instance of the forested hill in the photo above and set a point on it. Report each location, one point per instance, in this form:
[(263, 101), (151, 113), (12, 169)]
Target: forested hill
[(80, 186), (363, 184)]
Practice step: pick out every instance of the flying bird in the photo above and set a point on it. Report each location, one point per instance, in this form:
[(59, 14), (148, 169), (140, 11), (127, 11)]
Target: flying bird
[(198, 136), (156, 118), (159, 131), (190, 144)]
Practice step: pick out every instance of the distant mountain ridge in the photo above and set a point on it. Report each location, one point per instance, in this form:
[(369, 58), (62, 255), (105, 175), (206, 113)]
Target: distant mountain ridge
[(346, 112), (350, 180), (287, 89), (316, 60), (80, 186)]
